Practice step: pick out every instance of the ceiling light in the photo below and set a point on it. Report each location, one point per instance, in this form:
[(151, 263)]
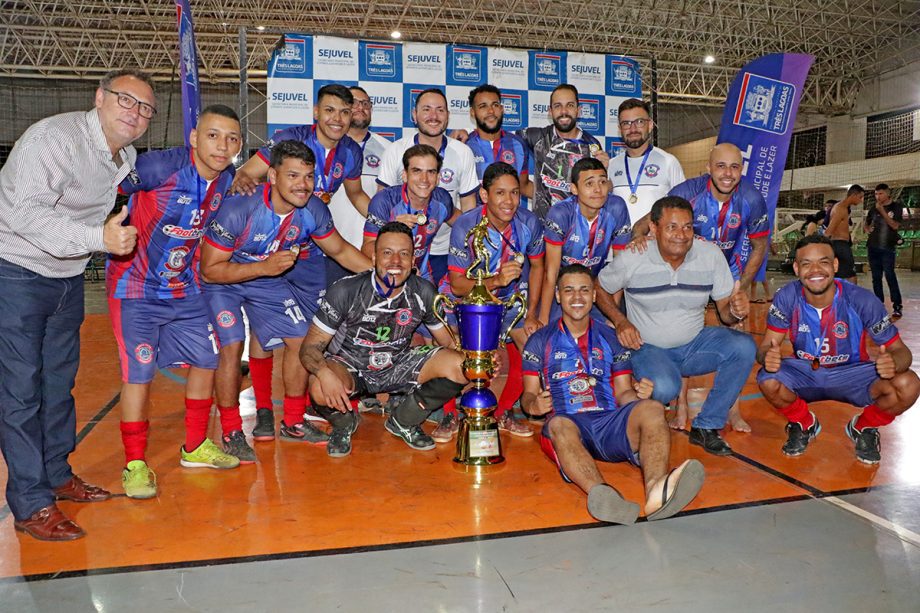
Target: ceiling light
[(396, 34), (709, 59), (260, 28)]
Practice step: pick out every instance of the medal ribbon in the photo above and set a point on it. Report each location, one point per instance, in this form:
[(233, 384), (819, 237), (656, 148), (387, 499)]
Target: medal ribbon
[(419, 229), (326, 182), (634, 187), (816, 323), (586, 357), (497, 147)]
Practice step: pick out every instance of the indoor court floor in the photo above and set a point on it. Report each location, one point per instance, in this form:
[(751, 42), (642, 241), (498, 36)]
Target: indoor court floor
[(390, 529)]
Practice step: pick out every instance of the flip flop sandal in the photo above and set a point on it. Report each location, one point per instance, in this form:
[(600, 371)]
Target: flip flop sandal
[(606, 504), (685, 490)]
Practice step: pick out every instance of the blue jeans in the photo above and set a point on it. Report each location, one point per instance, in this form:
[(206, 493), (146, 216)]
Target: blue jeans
[(728, 353), (881, 261), (39, 355)]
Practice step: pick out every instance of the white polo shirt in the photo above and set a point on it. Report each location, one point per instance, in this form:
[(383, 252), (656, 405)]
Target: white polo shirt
[(348, 221), (661, 172), (458, 176)]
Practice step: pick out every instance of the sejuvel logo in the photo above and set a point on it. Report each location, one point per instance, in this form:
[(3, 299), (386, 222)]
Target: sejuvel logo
[(332, 54)]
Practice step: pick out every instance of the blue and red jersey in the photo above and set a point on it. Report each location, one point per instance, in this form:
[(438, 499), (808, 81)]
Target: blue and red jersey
[(744, 215), (839, 334), (388, 204), (343, 162), (584, 242), (170, 205), (567, 367), (508, 148), (524, 235), (248, 226)]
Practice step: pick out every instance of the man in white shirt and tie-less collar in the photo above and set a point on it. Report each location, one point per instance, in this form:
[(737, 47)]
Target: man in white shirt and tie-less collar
[(641, 173), (56, 189)]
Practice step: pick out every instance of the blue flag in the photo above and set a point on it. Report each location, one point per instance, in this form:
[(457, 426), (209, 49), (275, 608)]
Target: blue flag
[(759, 117), (188, 68)]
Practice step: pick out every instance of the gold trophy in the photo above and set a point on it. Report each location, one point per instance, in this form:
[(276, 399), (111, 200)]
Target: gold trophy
[(479, 320)]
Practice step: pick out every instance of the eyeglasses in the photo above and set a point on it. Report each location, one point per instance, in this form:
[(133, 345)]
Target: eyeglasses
[(127, 101), (363, 104), (639, 123)]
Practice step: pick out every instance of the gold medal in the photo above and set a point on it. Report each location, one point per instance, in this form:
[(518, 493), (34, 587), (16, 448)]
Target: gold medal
[(422, 219), (325, 197), (519, 258), (633, 199), (592, 381), (594, 148), (295, 249), (815, 364)]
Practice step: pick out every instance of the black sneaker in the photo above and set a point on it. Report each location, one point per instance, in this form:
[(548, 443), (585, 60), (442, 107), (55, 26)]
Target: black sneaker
[(797, 437), (303, 432), (339, 444), (413, 436), (897, 312), (235, 444), (710, 440), (264, 429), (868, 443)]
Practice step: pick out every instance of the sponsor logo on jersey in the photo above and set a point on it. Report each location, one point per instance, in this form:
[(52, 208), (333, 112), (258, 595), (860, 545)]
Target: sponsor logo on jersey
[(479, 159), (560, 355), (841, 330), (457, 252), (183, 199), (327, 308), (226, 319), (133, 177), (881, 326), (144, 353), (555, 183), (175, 261), (618, 173), (764, 104), (404, 317), (804, 328), (261, 236), (652, 170), (447, 175), (371, 160), (734, 220), (564, 374), (702, 218), (775, 312), (189, 233), (369, 319)]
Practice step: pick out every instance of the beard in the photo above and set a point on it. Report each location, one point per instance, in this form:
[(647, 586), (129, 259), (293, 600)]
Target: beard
[(564, 123), (360, 124), (637, 141), (482, 127)]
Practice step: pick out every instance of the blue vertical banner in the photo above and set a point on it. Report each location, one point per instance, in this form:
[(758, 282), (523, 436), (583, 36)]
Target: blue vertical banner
[(188, 68), (760, 114)]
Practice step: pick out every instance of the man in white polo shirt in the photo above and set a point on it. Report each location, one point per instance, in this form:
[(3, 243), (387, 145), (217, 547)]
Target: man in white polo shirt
[(641, 173), (458, 173), (667, 288)]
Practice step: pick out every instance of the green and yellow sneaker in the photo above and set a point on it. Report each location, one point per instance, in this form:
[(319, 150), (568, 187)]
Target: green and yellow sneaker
[(208, 455), (139, 480)]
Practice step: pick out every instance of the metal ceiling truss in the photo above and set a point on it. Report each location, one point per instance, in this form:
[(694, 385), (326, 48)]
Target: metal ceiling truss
[(852, 40)]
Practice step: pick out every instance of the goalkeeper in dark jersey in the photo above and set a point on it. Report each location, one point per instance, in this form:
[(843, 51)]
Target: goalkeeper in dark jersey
[(360, 345)]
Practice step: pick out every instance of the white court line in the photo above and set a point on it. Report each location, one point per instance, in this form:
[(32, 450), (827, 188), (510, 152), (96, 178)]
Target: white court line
[(903, 533)]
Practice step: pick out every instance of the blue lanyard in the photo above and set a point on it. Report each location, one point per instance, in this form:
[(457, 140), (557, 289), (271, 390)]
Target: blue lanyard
[(634, 187)]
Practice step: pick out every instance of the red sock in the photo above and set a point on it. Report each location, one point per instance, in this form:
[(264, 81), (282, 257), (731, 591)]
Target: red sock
[(134, 438), (873, 417), (514, 384), (197, 416), (230, 419), (260, 372), (797, 412), (294, 407), (450, 407)]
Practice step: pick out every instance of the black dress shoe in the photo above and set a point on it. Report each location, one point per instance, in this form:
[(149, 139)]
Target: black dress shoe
[(710, 440)]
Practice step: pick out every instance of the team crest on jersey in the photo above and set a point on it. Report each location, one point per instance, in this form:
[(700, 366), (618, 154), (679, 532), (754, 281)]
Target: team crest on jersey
[(404, 317), (215, 202), (597, 354), (144, 353), (338, 171), (447, 175), (734, 220), (652, 170), (841, 329), (226, 319), (372, 160), (508, 157), (176, 259), (292, 233)]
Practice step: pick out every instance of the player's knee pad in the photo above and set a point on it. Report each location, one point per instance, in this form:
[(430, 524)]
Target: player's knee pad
[(429, 396)]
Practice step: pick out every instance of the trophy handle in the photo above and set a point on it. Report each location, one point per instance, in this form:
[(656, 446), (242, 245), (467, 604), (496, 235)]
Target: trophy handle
[(515, 297), (440, 301)]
